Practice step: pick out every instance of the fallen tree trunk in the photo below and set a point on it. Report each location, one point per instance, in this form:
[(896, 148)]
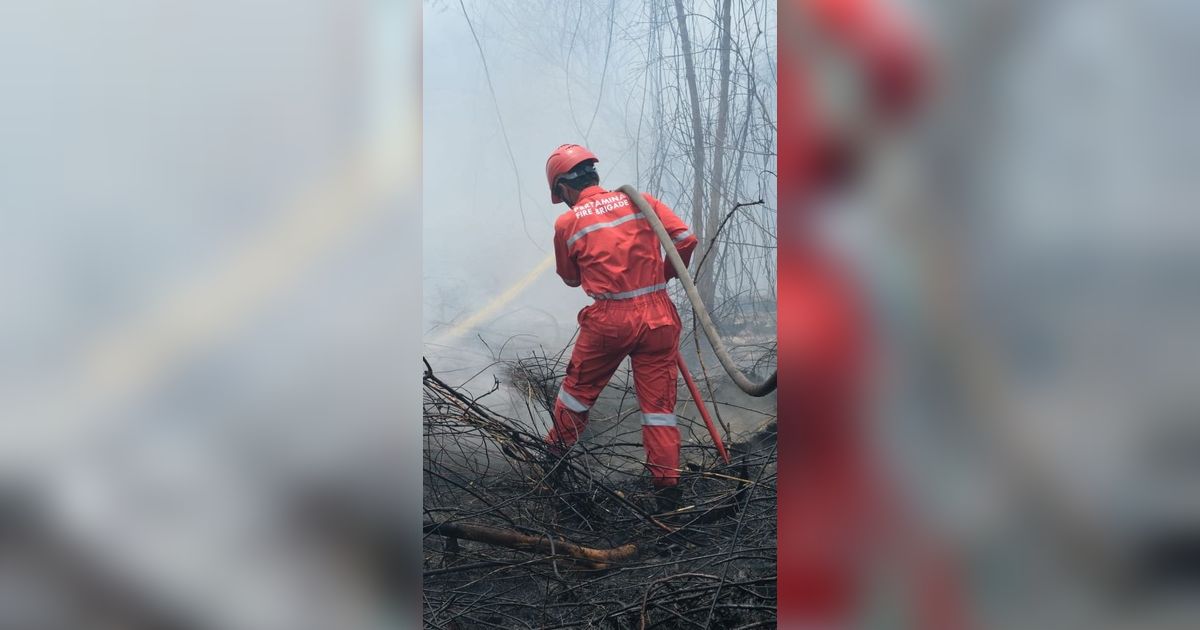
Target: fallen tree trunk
[(594, 558), (501, 524)]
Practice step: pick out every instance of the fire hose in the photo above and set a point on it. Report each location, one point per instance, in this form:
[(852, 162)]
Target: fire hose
[(706, 324)]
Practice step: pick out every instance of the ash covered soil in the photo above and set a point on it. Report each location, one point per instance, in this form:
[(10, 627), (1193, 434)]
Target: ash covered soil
[(517, 538)]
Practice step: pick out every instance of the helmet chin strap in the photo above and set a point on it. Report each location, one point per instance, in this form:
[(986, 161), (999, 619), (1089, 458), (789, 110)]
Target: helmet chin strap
[(568, 194)]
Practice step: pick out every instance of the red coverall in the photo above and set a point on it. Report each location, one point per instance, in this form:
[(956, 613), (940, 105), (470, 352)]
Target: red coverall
[(606, 245)]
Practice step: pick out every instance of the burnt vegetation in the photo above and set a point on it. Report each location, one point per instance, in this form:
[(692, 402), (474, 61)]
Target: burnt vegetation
[(517, 538)]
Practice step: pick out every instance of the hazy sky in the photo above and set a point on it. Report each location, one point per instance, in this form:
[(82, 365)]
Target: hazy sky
[(476, 242)]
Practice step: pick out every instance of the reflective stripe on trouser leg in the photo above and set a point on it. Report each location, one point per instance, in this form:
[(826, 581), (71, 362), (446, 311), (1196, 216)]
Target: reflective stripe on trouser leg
[(592, 364), (570, 402), (570, 417), (568, 425), (658, 419), (655, 374)]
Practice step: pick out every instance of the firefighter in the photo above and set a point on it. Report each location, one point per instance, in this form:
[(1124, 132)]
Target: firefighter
[(605, 245)]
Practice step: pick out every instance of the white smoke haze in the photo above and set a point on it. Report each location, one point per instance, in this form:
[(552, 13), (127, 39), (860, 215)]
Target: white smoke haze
[(543, 74)]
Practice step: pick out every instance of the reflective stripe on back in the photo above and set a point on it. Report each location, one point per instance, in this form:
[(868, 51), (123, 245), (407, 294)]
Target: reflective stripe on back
[(599, 226), (625, 295)]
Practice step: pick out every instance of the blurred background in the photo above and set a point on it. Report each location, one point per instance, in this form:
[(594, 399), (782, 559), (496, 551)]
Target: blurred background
[(1030, 252), (208, 336)]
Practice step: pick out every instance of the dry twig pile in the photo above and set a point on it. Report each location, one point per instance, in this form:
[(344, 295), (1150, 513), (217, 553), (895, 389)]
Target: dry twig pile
[(515, 538)]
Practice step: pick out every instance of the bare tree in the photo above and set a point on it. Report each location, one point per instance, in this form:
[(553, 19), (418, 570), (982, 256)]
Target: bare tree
[(693, 85), (685, 42)]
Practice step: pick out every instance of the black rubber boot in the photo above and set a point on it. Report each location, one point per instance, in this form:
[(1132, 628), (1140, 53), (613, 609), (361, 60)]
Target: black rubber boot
[(555, 469), (668, 498)]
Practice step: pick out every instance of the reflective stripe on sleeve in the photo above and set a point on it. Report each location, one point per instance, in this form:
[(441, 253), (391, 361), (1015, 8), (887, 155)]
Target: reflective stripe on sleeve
[(658, 419), (682, 235), (599, 226), (570, 402)]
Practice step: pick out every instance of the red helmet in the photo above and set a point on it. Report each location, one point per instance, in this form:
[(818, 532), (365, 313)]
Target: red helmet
[(565, 158)]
